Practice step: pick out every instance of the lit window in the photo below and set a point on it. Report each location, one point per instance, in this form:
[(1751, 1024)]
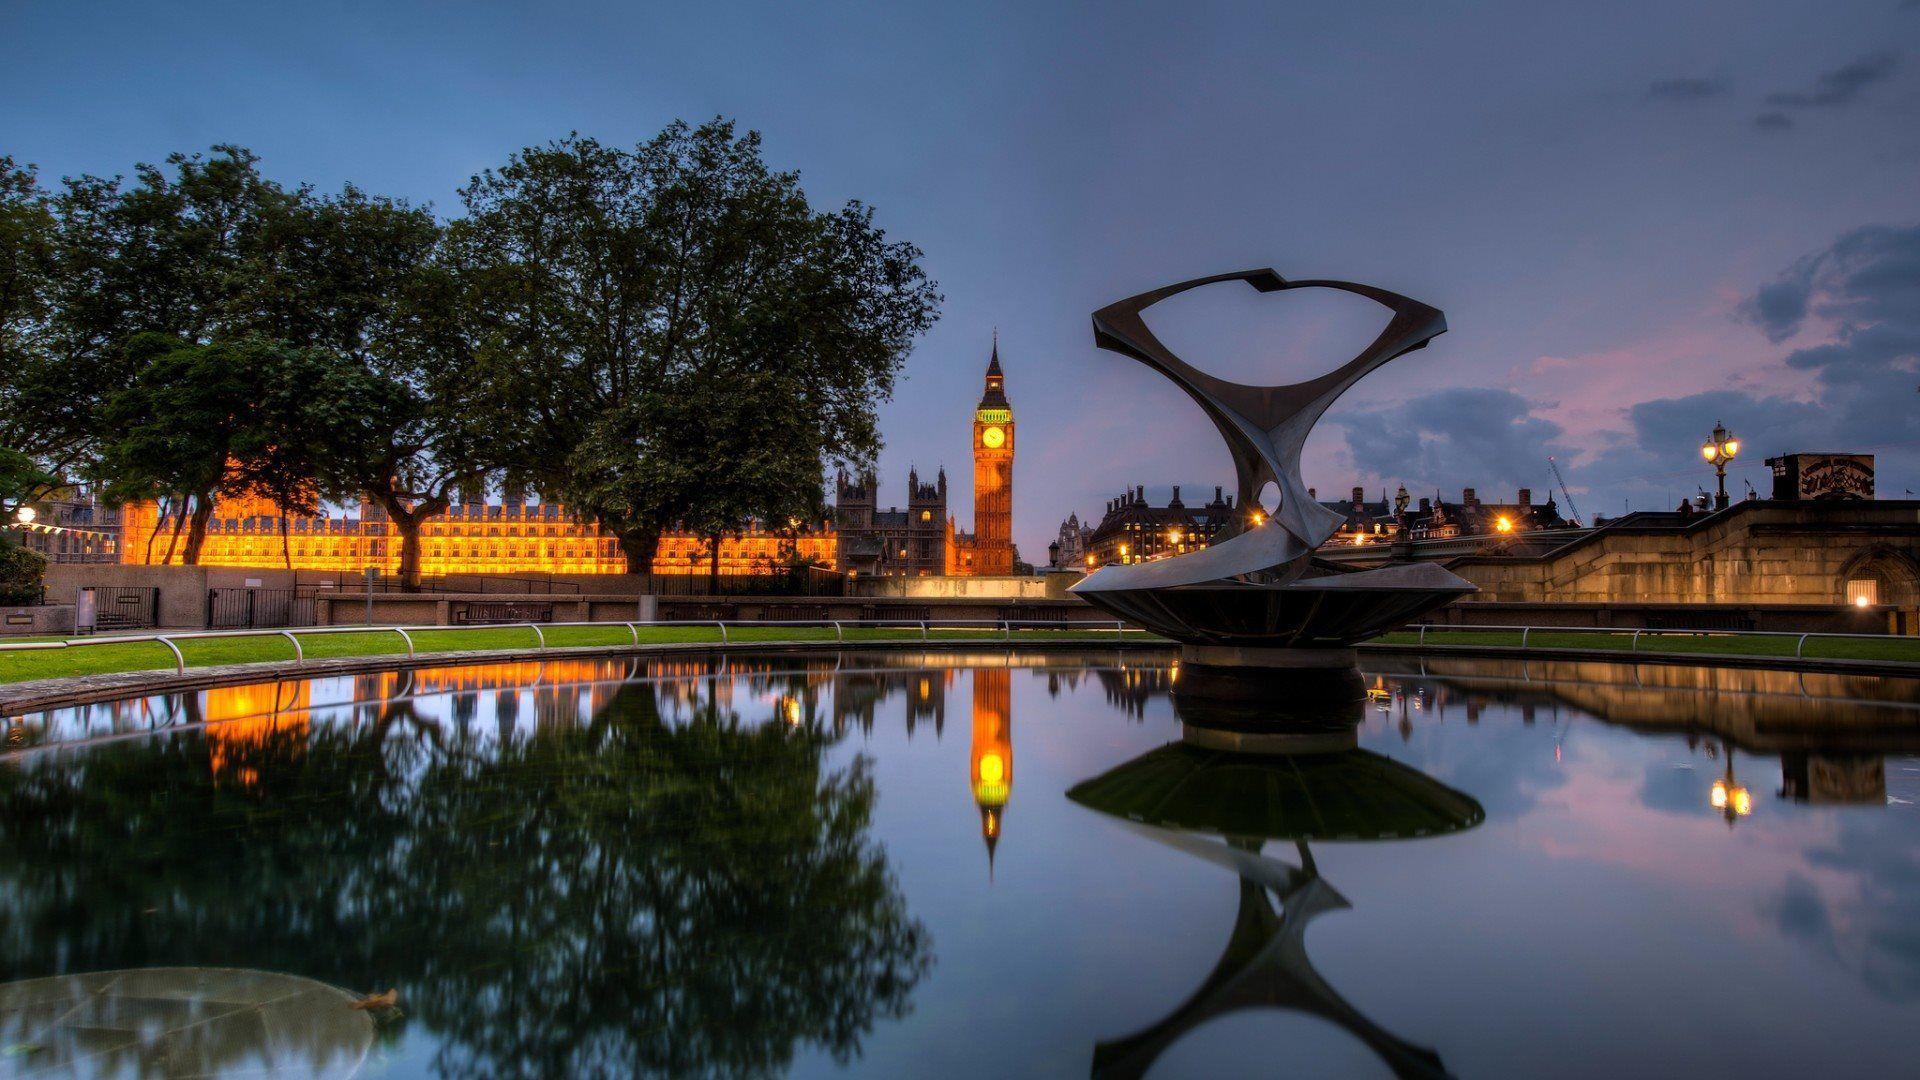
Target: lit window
[(1863, 592)]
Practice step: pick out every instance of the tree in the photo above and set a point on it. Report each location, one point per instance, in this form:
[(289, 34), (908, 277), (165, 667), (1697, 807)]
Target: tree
[(615, 294), (199, 422), (20, 572), (40, 433)]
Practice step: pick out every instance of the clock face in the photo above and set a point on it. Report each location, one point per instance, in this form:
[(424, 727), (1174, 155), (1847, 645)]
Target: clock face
[(993, 437)]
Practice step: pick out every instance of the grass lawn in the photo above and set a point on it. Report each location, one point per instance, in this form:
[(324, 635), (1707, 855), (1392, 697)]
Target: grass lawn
[(106, 657), (1841, 648)]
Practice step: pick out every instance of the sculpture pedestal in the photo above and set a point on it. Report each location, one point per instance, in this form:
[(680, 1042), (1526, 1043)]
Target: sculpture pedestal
[(1238, 657)]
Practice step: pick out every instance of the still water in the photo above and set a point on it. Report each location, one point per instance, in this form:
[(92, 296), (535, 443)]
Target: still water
[(965, 865)]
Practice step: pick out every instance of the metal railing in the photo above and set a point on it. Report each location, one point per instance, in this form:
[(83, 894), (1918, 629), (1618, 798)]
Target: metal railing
[(1634, 635), (1004, 628)]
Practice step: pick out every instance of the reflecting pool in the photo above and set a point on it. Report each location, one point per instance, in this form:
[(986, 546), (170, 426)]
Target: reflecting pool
[(967, 864)]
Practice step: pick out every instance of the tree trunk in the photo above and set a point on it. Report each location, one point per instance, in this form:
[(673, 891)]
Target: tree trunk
[(197, 529), (179, 521), (408, 519), (713, 565), (153, 533), (286, 552), (638, 546)]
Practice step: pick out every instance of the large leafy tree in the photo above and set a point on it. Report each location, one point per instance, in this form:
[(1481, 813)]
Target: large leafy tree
[(39, 432), (198, 422), (615, 296)]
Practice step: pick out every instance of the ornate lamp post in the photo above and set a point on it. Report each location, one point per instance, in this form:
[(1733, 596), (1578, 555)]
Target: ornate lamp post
[(1719, 449)]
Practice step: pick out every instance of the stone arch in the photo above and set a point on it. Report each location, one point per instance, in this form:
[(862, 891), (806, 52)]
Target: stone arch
[(1895, 575)]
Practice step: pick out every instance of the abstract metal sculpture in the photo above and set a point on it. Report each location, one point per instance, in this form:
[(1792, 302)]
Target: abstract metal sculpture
[(1256, 596)]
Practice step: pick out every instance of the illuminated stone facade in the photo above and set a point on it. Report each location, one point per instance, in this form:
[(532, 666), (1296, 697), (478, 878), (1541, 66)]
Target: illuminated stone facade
[(515, 536)]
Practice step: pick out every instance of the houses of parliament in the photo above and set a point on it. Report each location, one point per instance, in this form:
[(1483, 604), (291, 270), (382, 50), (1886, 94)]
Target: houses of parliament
[(518, 535)]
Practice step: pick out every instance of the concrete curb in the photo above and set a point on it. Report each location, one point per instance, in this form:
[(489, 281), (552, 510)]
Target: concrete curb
[(1811, 664)]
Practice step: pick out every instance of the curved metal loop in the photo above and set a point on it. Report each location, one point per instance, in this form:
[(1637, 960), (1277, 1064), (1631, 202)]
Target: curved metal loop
[(299, 654), (1265, 427)]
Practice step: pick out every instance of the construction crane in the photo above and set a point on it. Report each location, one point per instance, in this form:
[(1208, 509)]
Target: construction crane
[(1573, 510)]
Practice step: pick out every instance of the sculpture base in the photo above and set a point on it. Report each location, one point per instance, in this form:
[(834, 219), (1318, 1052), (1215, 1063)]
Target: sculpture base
[(1246, 656), (1282, 742)]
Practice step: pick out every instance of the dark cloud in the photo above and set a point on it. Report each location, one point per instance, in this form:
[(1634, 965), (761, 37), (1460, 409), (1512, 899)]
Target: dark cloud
[(1773, 121), (1841, 85), (1686, 89), (1470, 435), (1857, 304), (1864, 293)]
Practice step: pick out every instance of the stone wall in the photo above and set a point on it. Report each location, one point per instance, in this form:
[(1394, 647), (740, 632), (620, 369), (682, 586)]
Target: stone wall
[(1755, 553)]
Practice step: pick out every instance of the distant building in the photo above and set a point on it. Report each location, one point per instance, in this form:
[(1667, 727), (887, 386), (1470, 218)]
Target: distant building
[(70, 527), (1069, 549), (516, 535), (1134, 530), (914, 542), (988, 549)]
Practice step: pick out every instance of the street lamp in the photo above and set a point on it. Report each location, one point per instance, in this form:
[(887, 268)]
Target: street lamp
[(1719, 449)]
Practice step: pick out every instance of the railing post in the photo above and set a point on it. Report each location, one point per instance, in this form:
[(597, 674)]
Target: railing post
[(406, 637), (838, 634), (538, 634), (179, 661), (925, 634), (1634, 645), (1423, 634), (722, 624), (635, 631), (1801, 645), (1524, 631), (299, 654), (1006, 629)]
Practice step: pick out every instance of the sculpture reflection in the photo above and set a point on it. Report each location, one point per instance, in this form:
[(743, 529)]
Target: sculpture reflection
[(1225, 806)]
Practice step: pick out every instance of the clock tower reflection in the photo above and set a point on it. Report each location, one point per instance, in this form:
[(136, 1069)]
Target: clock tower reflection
[(990, 765)]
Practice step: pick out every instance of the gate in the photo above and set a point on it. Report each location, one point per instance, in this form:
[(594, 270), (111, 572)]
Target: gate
[(237, 609), (125, 609)]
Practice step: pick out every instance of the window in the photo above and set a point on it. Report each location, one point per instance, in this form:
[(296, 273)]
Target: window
[(1863, 592)]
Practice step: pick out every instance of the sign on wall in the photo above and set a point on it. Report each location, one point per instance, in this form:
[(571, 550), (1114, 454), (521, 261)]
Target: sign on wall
[(1822, 476)]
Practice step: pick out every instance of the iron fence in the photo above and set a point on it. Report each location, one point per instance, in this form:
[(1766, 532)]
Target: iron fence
[(122, 608), (231, 609)]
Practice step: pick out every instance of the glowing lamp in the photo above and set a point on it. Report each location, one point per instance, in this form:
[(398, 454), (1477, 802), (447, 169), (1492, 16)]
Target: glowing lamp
[(1709, 451), (1861, 601), (1503, 524)]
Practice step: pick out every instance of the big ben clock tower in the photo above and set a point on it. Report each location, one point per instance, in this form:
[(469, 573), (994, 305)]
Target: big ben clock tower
[(993, 474)]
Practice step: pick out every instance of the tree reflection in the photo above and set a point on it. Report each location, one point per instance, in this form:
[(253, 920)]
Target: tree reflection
[(613, 896)]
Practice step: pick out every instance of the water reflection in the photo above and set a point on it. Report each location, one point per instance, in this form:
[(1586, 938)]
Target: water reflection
[(1224, 806), (605, 891)]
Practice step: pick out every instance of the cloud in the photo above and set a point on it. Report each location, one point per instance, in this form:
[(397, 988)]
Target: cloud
[(1841, 85), (1773, 121), (1861, 297), (1686, 89), (1466, 435), (1852, 312)]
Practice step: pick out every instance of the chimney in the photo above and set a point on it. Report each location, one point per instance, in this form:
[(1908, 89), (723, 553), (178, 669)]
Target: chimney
[(1176, 496), (1468, 497), (1426, 505), (1359, 495), (1526, 496), (1217, 493)]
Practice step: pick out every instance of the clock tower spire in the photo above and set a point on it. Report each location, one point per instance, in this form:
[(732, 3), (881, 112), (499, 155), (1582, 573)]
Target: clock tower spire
[(993, 473)]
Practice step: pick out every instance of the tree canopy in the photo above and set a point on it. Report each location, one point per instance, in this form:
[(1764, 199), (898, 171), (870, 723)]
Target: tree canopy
[(623, 299)]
